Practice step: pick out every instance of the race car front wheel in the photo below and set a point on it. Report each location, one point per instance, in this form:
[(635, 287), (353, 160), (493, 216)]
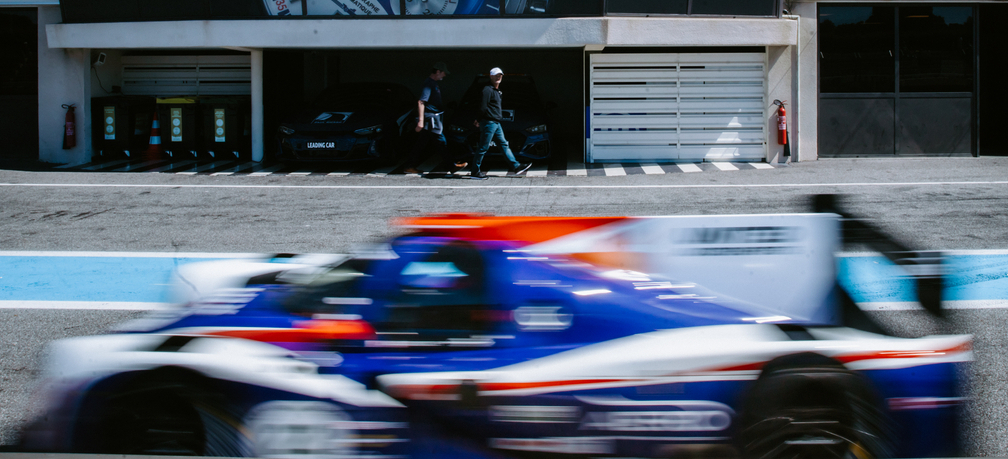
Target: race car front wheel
[(809, 406), (160, 413)]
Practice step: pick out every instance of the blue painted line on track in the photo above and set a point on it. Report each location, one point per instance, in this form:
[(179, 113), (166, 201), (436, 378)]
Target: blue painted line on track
[(143, 279), (968, 277), (55, 278)]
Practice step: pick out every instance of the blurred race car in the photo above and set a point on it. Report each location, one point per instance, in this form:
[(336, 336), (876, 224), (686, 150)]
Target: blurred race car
[(525, 123), (347, 122), (437, 346)]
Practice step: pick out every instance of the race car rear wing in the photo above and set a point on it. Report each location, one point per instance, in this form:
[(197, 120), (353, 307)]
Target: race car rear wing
[(924, 267)]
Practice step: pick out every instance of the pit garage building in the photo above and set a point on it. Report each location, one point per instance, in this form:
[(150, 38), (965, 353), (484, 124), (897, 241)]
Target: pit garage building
[(630, 80)]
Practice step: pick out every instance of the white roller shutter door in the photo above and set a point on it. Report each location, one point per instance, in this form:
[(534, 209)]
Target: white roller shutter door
[(669, 107), (187, 75)]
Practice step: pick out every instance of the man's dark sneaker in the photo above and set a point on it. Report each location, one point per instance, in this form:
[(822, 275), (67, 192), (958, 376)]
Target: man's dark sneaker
[(521, 168), (478, 175)]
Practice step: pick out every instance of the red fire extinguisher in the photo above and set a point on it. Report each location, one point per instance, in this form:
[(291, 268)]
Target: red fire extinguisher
[(69, 129), (781, 122)]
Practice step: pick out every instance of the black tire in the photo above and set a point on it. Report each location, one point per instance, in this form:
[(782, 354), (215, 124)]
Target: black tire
[(162, 412), (810, 406)]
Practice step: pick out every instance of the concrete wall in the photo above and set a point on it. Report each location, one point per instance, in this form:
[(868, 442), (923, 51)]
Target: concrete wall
[(805, 55), (451, 33), (104, 77), (778, 87), (63, 78)]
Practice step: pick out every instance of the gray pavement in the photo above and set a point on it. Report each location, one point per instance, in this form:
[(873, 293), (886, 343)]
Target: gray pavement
[(935, 203)]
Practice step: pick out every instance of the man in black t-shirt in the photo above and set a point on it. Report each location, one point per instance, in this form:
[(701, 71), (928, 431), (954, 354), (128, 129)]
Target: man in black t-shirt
[(429, 123)]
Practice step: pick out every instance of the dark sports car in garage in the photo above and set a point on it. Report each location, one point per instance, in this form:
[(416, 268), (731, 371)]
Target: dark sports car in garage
[(348, 122), (525, 122)]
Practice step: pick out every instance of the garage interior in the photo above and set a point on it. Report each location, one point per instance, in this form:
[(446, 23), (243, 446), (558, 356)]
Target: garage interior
[(292, 78)]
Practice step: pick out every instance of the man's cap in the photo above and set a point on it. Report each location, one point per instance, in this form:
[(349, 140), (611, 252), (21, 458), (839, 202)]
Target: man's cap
[(442, 67), (496, 71)]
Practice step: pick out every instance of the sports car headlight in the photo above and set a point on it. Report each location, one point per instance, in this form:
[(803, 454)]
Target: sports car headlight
[(286, 130), (455, 129), (369, 130), (536, 129)]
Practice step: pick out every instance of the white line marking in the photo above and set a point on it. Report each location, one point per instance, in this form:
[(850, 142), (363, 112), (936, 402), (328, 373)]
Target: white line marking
[(537, 173), (652, 169), (576, 170), (131, 166), (267, 171), (724, 166), (761, 165), (344, 174), (85, 305), (407, 187), (613, 170), (914, 306), (143, 306), (102, 165), (237, 168), (689, 167), (186, 173), (497, 173), (300, 173), (56, 253), (173, 166), (35, 253)]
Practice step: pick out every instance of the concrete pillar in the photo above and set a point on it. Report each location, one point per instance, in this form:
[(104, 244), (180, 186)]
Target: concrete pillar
[(63, 78), (807, 87), (778, 87), (258, 139)]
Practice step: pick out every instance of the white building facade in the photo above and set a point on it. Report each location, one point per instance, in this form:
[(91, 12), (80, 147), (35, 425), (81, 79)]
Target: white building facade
[(632, 81)]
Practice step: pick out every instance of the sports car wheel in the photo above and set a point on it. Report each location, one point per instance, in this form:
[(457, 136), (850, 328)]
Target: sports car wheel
[(161, 414), (809, 406)]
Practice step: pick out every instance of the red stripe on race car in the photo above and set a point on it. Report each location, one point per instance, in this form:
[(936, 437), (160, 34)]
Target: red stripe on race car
[(443, 391), (541, 384), (874, 355), (482, 227), (907, 354), (305, 332)]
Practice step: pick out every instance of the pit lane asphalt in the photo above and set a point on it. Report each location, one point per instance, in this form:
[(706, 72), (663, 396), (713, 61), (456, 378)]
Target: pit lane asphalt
[(949, 203)]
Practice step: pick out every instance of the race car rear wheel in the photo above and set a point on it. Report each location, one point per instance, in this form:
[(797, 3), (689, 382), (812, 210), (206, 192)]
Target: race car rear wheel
[(809, 406)]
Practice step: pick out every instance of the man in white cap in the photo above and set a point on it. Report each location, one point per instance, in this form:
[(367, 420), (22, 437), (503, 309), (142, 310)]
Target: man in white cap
[(489, 123)]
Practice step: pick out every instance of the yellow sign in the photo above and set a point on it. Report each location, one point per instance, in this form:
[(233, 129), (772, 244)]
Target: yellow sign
[(110, 122)]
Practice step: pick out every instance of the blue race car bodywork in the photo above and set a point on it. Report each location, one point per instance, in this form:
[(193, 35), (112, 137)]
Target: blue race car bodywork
[(448, 347)]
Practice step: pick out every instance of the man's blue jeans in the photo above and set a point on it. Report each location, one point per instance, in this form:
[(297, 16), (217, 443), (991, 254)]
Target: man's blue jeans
[(491, 130)]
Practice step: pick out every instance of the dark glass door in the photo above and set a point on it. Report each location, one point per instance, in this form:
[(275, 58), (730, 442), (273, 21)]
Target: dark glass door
[(897, 80), (19, 83)]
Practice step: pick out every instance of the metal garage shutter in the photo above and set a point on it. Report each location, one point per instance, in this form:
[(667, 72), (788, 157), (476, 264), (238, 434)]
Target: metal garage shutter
[(187, 75), (668, 107)]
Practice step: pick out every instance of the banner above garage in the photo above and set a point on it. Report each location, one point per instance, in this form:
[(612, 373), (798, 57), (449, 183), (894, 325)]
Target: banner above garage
[(85, 11)]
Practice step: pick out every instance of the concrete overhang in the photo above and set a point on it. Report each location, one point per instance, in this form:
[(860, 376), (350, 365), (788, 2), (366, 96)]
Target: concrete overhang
[(425, 33)]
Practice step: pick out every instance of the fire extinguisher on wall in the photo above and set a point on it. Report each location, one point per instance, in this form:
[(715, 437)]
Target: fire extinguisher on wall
[(781, 122), (69, 128)]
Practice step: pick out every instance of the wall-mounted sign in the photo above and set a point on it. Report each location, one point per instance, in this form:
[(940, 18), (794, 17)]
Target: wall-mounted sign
[(175, 117), (109, 122), (218, 120)]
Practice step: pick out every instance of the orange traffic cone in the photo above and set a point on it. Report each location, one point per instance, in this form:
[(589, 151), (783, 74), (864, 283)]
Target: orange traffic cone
[(154, 150)]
